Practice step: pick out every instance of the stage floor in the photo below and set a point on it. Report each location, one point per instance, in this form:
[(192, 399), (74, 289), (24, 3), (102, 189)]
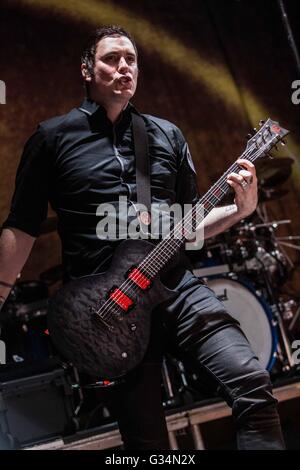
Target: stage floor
[(192, 426)]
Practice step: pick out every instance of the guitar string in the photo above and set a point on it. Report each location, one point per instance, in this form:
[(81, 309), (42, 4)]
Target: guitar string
[(178, 229), (130, 282), (210, 198), (159, 250)]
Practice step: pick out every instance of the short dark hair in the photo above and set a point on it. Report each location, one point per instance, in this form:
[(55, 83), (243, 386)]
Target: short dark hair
[(89, 52)]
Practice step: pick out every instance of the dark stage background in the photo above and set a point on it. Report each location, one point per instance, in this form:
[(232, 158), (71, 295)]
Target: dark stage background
[(214, 68)]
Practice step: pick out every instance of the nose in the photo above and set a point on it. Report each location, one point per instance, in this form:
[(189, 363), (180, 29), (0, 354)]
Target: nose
[(122, 64)]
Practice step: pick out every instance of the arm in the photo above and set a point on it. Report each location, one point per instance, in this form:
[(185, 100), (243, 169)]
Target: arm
[(15, 247), (222, 218), (28, 209), (219, 220)]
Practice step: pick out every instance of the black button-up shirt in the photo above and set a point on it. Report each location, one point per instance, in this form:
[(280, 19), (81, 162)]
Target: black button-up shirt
[(81, 160)]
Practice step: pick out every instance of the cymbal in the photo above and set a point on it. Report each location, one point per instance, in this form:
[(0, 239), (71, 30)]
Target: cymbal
[(49, 225), (271, 173)]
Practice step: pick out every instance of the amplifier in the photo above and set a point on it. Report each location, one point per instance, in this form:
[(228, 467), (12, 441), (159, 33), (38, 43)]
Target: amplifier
[(34, 408)]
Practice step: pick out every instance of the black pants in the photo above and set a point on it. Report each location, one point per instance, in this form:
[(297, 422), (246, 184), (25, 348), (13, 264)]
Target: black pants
[(197, 325)]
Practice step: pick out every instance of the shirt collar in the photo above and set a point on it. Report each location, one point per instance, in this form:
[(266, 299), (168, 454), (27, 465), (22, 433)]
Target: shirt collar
[(90, 107)]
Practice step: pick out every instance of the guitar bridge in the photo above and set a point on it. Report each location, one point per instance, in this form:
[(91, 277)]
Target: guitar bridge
[(97, 316)]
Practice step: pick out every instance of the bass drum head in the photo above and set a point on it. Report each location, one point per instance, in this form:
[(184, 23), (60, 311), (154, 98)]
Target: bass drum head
[(252, 312)]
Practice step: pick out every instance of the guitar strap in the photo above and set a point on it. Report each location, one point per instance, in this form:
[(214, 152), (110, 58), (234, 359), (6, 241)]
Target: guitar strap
[(142, 165)]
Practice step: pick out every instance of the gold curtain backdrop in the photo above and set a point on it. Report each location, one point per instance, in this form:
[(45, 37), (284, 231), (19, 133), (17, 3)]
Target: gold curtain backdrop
[(213, 68)]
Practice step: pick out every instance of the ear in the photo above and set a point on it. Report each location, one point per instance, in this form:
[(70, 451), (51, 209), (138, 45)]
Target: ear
[(85, 73)]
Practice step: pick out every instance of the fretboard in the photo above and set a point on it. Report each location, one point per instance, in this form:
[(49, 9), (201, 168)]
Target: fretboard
[(183, 231)]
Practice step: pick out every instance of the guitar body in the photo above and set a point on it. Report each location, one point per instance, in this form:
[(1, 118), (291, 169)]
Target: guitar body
[(87, 342)]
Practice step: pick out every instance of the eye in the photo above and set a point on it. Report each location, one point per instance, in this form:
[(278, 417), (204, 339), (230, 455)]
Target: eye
[(130, 59), (109, 58)]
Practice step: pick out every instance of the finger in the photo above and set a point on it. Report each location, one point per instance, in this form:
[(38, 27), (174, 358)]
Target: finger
[(236, 177), (246, 164), (246, 175), (236, 186)]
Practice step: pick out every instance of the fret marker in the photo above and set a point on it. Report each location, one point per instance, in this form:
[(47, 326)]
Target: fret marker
[(217, 192)]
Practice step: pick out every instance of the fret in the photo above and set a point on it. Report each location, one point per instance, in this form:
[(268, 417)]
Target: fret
[(257, 146)]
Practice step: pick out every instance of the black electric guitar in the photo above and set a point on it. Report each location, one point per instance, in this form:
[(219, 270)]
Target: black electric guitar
[(101, 323)]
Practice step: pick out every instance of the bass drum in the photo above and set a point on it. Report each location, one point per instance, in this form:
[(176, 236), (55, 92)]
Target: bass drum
[(252, 312)]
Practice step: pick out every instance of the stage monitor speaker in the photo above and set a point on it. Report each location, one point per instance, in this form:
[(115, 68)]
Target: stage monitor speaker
[(34, 408)]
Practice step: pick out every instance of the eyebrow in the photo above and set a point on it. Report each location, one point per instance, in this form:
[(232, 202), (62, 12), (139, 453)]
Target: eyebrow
[(117, 52)]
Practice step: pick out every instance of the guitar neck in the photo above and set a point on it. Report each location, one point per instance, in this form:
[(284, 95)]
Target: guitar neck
[(167, 248), (258, 146)]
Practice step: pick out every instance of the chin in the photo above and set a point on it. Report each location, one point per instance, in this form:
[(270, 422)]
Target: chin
[(124, 94)]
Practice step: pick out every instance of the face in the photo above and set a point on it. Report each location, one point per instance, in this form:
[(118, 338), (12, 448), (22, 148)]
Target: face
[(115, 70)]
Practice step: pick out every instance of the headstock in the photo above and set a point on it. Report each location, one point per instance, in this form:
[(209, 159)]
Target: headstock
[(264, 139)]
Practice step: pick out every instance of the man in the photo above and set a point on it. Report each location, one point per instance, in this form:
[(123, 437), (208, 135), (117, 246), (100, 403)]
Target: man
[(86, 157)]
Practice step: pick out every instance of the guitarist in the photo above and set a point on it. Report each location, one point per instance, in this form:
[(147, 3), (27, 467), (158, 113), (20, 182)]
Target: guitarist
[(85, 157)]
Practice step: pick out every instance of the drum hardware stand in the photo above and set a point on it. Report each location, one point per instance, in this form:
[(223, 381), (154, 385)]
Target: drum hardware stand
[(279, 311), (280, 242), (262, 212), (295, 318), (281, 358), (278, 315), (285, 341), (273, 224), (185, 392), (288, 314), (181, 370), (171, 400)]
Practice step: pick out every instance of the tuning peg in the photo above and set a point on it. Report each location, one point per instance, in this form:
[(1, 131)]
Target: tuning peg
[(283, 142), (261, 122), (255, 130), (248, 136)]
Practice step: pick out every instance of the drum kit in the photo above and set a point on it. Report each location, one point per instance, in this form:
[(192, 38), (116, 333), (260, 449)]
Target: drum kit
[(246, 266)]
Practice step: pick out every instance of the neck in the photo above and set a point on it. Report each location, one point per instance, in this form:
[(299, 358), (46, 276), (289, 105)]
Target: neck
[(113, 107), (114, 111)]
